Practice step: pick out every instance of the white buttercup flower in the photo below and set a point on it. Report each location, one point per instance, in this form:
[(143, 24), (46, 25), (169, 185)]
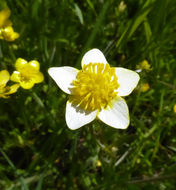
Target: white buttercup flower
[(95, 91)]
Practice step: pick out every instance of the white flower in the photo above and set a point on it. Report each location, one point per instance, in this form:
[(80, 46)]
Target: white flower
[(95, 91)]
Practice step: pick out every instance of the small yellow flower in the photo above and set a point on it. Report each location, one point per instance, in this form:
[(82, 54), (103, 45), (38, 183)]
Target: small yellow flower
[(4, 18), (174, 108), (8, 34), (122, 6), (6, 30), (144, 65), (144, 87), (95, 91), (6, 90), (98, 163), (27, 73)]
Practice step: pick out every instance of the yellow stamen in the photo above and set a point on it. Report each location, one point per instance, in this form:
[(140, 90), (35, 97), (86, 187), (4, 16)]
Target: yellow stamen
[(95, 86)]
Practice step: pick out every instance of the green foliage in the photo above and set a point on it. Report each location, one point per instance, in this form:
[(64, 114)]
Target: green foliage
[(38, 151)]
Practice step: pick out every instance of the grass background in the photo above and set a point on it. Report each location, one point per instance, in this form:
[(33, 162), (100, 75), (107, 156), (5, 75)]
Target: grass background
[(37, 150)]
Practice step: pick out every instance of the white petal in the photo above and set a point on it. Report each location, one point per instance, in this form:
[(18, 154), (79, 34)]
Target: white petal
[(127, 79), (117, 115), (63, 76), (76, 117), (93, 56)]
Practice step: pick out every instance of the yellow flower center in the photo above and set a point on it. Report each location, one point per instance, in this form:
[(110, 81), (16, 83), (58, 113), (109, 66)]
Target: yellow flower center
[(95, 86), (27, 74)]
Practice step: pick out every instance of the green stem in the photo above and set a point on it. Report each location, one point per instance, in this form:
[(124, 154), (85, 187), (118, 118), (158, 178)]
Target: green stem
[(151, 179)]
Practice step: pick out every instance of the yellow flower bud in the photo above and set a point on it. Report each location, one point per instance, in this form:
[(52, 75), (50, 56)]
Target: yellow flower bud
[(174, 108), (122, 6), (144, 87), (98, 164)]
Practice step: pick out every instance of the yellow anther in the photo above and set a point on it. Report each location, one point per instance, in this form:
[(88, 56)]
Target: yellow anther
[(94, 87)]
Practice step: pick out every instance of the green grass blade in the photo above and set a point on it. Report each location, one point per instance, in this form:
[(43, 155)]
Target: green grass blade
[(133, 25), (79, 13)]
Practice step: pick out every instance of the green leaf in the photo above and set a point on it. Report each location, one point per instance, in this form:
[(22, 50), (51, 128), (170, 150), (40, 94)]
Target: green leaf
[(79, 13), (39, 184), (133, 25), (148, 31)]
